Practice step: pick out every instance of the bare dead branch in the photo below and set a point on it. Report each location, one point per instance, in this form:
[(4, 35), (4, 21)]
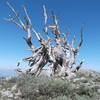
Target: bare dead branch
[(45, 15), (55, 27), (45, 21), (27, 17), (73, 41), (81, 41)]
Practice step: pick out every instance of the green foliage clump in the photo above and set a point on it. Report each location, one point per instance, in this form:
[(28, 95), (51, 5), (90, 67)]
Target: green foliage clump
[(42, 87), (7, 84)]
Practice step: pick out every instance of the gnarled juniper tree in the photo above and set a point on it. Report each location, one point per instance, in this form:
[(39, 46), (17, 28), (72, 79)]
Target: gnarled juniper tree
[(61, 57)]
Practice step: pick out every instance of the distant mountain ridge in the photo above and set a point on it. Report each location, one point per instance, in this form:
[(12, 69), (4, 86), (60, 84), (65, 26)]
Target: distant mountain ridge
[(7, 72)]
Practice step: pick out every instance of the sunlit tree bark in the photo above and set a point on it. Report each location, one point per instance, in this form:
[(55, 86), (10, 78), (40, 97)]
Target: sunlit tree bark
[(61, 57)]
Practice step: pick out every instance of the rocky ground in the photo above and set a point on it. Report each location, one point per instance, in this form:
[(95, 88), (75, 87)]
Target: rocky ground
[(86, 86)]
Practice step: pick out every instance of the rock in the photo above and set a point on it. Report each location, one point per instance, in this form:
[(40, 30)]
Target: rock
[(82, 79), (98, 90), (14, 87), (18, 93), (7, 94), (71, 76), (8, 78)]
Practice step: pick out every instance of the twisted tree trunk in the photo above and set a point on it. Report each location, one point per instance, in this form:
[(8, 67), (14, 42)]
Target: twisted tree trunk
[(61, 57)]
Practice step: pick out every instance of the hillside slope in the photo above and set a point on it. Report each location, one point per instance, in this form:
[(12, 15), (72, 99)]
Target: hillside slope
[(86, 86)]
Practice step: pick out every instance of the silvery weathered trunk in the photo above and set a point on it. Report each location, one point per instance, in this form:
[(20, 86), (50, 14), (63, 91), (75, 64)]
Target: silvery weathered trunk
[(54, 52)]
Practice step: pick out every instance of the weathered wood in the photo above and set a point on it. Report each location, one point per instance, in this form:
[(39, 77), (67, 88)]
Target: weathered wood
[(60, 57)]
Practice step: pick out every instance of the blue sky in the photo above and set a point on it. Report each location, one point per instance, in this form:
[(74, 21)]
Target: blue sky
[(72, 14)]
